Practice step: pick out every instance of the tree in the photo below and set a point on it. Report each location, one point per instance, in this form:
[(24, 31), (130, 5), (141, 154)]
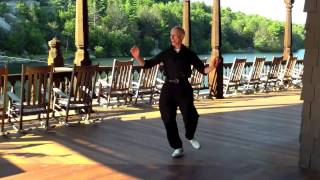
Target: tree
[(269, 37), (3, 8), (298, 35), (95, 10), (66, 19), (171, 15), (116, 25), (200, 28)]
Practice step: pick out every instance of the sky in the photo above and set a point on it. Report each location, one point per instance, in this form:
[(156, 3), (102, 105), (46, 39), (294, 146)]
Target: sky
[(273, 9)]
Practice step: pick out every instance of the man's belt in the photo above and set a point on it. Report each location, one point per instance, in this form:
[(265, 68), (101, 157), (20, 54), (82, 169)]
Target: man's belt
[(175, 81)]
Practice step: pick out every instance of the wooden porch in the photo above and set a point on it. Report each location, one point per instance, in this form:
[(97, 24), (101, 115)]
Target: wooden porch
[(243, 137)]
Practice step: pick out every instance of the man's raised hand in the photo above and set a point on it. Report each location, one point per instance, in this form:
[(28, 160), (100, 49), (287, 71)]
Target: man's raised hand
[(135, 52)]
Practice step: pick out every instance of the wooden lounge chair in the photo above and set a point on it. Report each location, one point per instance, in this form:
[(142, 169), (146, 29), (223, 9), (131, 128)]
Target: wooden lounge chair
[(196, 81), (286, 74), (78, 96), (146, 83), (3, 95), (272, 78), (35, 96), (119, 84), (253, 78), (234, 78), (297, 76)]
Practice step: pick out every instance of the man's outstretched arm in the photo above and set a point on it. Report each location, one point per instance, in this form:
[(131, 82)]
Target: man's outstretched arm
[(212, 65), (135, 52)]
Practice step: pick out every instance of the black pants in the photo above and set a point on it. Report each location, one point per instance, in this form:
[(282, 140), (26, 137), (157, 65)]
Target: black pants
[(173, 96)]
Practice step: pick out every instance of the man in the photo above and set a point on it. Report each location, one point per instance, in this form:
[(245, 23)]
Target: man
[(177, 91)]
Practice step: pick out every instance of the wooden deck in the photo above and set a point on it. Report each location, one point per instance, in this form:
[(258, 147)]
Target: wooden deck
[(245, 137)]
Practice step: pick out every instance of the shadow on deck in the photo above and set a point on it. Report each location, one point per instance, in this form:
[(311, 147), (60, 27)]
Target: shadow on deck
[(250, 137)]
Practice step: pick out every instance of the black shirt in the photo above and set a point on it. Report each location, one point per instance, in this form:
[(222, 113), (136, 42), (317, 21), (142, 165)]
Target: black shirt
[(177, 65)]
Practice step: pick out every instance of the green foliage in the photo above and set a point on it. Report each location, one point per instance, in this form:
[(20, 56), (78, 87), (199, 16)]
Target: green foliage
[(116, 25), (3, 40), (298, 36), (3, 8), (99, 51), (170, 15), (26, 39), (200, 28)]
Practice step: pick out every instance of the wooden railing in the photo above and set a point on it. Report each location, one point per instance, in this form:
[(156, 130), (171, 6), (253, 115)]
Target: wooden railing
[(105, 72), (247, 68)]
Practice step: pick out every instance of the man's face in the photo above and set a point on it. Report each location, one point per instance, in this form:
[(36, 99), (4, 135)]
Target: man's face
[(176, 38)]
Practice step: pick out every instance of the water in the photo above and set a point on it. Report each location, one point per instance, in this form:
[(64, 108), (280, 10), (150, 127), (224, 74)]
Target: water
[(228, 57), (15, 66)]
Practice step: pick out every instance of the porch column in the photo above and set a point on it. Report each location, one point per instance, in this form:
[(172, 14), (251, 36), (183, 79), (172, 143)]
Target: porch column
[(215, 79), (186, 23), (81, 34), (288, 30), (310, 127), (55, 56)]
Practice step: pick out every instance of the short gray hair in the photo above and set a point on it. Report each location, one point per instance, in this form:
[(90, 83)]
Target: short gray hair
[(179, 29)]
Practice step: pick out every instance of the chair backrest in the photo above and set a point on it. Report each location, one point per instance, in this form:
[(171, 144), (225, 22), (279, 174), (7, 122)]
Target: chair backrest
[(3, 94), (3, 87), (36, 85), (147, 78), (121, 75), (256, 70), (83, 82), (196, 79), (236, 69), (289, 67), (275, 67), (300, 70)]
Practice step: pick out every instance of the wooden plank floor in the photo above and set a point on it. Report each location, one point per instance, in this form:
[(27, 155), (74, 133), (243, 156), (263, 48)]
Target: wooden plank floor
[(244, 137)]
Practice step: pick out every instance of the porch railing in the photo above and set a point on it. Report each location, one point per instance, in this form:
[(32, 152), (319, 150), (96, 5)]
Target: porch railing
[(105, 72)]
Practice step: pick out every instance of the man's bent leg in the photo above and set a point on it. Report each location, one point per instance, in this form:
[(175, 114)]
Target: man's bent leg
[(189, 112), (168, 110), (190, 118)]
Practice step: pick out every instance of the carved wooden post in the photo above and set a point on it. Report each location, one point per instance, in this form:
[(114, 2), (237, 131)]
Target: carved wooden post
[(81, 34), (55, 55), (215, 79), (186, 23), (288, 30), (310, 127)]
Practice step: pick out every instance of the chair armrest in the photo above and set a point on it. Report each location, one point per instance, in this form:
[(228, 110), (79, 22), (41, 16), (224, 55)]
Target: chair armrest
[(160, 80), (245, 75), (135, 84), (104, 83), (13, 97), (59, 92)]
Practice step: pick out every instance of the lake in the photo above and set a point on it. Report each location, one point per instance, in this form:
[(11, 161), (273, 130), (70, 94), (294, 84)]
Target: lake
[(228, 57), (15, 66)]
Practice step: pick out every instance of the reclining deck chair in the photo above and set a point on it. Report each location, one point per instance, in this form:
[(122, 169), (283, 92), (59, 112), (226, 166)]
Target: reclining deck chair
[(196, 81), (146, 83), (35, 95), (272, 76), (3, 95), (297, 76), (234, 78), (286, 74), (119, 84), (253, 78), (78, 96)]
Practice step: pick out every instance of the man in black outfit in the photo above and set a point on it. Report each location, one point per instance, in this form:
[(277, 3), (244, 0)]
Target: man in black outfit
[(177, 91)]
